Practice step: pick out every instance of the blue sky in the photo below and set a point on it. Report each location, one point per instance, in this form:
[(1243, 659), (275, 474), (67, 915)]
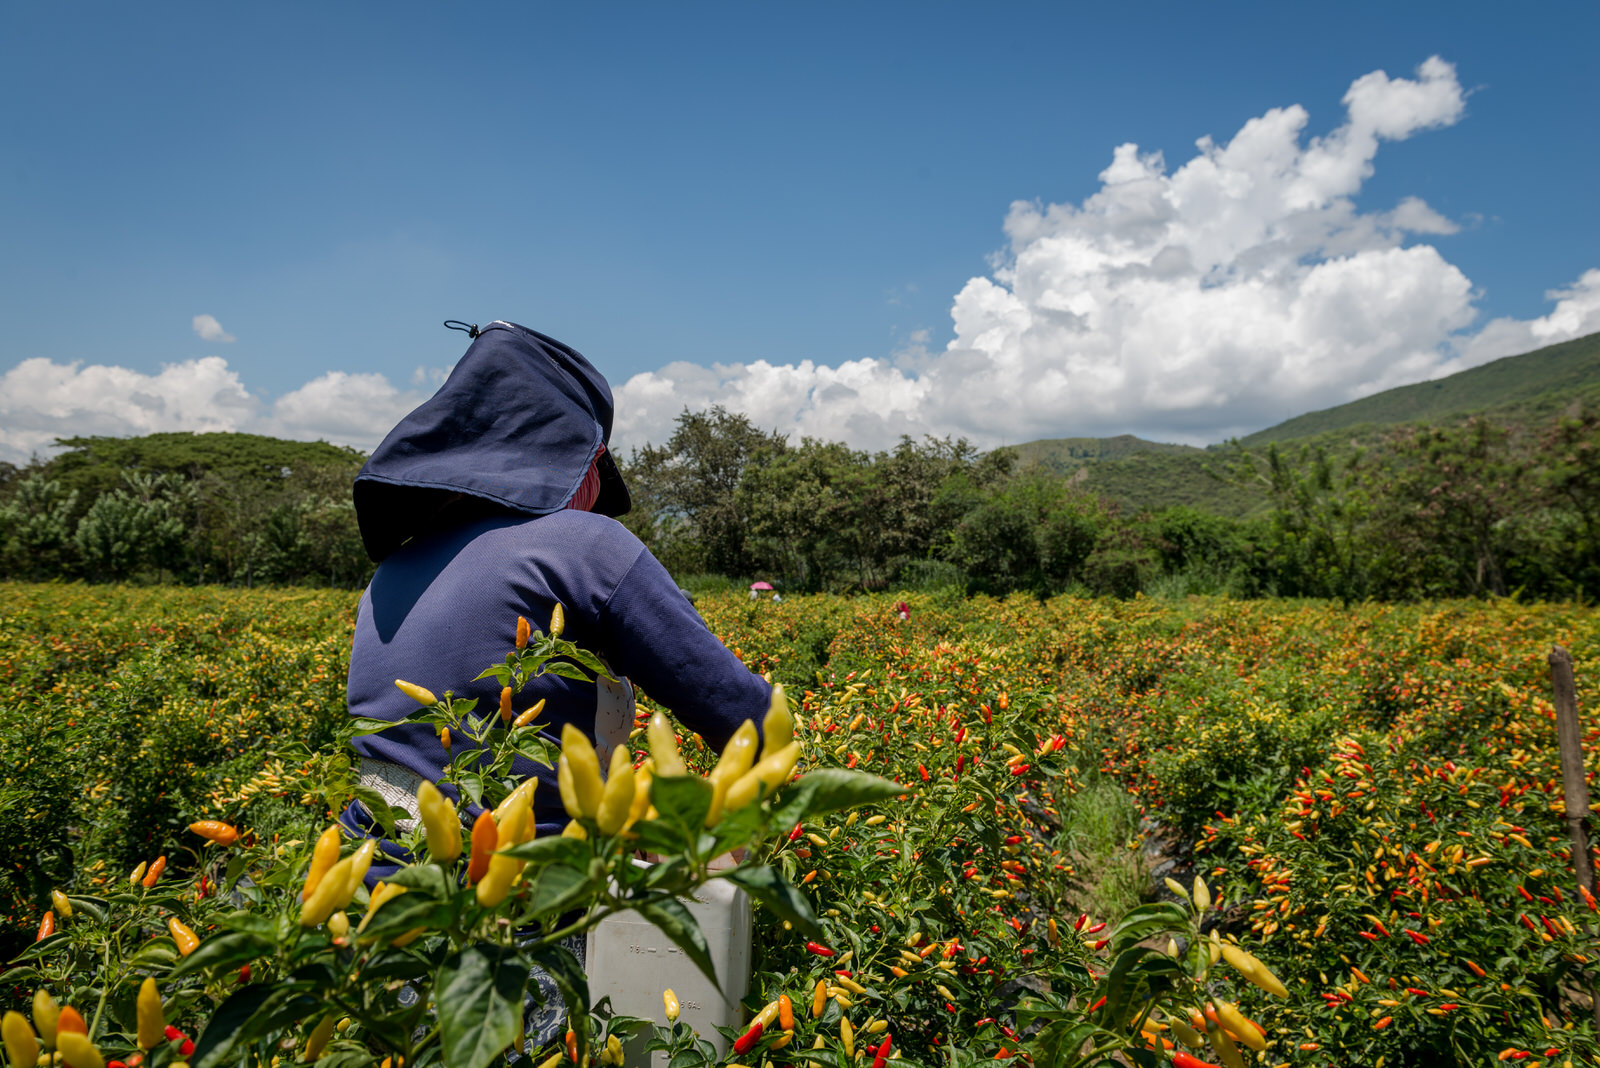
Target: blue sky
[(781, 207)]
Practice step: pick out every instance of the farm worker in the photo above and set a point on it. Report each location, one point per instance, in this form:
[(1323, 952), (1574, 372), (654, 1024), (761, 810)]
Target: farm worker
[(496, 499)]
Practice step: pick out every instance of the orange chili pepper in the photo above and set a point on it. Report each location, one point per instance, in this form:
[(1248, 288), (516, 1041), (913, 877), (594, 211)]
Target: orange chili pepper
[(153, 875), (485, 836)]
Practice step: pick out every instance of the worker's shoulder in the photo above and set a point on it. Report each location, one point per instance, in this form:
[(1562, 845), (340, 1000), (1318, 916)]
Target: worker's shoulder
[(576, 529)]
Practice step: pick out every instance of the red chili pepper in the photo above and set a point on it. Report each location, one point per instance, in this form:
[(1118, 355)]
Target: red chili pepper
[(47, 926), (923, 771), (1014, 839), (1413, 991), (187, 1048), (1097, 1004), (1381, 928), (818, 949), (1417, 937), (882, 1054), (1527, 923), (796, 833), (244, 973), (961, 762), (1181, 1059), (747, 1041), (173, 1034)]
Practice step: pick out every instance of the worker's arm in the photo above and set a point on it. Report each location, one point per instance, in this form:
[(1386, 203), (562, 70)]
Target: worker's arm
[(654, 636)]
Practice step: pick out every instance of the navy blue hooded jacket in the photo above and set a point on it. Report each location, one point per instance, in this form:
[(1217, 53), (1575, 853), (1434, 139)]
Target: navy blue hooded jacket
[(464, 504)]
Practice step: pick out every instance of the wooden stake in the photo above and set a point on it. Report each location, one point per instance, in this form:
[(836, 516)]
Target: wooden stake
[(1573, 780)]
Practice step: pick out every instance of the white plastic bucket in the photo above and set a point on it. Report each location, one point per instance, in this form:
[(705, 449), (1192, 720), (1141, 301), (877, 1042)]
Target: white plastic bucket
[(632, 962)]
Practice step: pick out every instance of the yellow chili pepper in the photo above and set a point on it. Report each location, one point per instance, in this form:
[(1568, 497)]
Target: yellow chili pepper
[(777, 728), (1202, 894), (420, 694), (63, 907), (338, 926), (737, 755), (616, 799), (574, 829), (1252, 969), (46, 1012), (324, 855), (440, 821), (848, 1037), (664, 748), (136, 874), (819, 998), (1223, 1046), (152, 1020), (558, 620), (79, 1051), (184, 935), (765, 777), (380, 893), (530, 715), (328, 896), (582, 766), (360, 861), (1234, 1021), (642, 776), (319, 1039), (669, 1001), (444, 738), (22, 1046)]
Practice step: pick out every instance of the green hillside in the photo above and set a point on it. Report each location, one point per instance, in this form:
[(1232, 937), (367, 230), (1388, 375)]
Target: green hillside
[(1534, 385), (1137, 474)]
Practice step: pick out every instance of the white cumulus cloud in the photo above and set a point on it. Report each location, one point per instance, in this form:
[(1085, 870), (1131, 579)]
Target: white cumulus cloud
[(41, 400), (211, 330), (1216, 298)]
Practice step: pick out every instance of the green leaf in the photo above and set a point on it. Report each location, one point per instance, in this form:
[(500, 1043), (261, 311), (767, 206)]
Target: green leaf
[(682, 802), (478, 993), (830, 790), (379, 808), (94, 906), (570, 979), (542, 851), (368, 725), (676, 922), (566, 671), (239, 1019), (559, 888), (429, 879), (222, 951), (768, 886), (1145, 921)]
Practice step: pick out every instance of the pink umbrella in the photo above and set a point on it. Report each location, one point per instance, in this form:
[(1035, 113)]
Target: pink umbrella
[(761, 585)]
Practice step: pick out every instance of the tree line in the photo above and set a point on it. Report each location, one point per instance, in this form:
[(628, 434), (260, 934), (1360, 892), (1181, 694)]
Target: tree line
[(1473, 508)]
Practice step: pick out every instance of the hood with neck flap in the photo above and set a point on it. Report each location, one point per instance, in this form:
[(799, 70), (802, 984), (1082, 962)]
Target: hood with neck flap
[(515, 427)]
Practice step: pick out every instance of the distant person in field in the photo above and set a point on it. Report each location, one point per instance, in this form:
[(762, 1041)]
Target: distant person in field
[(903, 610), (496, 499)]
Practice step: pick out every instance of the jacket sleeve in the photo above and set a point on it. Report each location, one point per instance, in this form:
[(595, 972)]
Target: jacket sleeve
[(654, 636)]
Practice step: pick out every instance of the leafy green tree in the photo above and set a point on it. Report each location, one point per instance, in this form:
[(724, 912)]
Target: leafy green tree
[(1032, 532), (694, 478), (1320, 519), (38, 528)]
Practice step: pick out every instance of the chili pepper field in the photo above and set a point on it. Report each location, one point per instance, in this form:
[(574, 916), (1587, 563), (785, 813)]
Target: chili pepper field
[(1367, 799)]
